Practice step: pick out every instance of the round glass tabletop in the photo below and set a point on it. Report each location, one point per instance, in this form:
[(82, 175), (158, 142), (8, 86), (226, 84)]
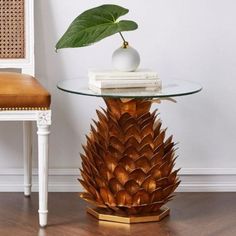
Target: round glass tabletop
[(171, 88)]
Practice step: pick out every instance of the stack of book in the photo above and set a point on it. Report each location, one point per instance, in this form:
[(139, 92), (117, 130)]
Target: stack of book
[(102, 81)]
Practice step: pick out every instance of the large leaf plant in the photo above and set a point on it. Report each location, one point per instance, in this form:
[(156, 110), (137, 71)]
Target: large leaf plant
[(94, 25)]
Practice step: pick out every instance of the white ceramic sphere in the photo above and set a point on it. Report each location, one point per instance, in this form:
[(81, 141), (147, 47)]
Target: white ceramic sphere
[(125, 59)]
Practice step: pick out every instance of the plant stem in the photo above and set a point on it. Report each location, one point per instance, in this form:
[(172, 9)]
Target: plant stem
[(125, 44)]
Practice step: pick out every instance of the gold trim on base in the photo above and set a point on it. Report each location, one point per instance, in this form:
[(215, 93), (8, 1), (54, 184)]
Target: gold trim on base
[(102, 214)]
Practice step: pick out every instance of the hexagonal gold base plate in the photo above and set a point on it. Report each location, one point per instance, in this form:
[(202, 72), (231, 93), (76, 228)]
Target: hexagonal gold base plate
[(102, 214)]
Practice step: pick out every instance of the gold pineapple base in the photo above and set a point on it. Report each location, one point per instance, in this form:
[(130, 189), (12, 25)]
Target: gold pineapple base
[(128, 164), (104, 215)]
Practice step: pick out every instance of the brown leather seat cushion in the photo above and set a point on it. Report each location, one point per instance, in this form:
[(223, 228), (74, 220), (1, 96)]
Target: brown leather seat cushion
[(22, 91)]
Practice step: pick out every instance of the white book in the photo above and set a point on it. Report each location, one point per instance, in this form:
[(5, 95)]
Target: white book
[(112, 74), (133, 83), (112, 91)]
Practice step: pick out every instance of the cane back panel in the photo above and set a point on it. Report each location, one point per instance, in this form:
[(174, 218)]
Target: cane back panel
[(12, 43)]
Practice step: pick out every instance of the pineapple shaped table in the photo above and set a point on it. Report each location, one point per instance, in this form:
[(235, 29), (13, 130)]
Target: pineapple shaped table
[(128, 163)]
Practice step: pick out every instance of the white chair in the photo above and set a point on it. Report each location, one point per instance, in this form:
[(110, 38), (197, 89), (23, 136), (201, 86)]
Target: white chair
[(22, 98)]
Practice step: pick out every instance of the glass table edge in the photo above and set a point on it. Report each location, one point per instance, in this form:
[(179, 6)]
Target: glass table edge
[(130, 96)]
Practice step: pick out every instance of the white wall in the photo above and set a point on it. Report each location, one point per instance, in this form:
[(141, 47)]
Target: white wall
[(184, 39)]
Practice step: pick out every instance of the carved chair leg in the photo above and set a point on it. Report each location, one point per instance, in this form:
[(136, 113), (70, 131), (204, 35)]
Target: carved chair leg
[(43, 133), (27, 148)]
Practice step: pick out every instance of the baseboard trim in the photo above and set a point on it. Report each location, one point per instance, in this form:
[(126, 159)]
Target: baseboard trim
[(208, 171), (65, 180)]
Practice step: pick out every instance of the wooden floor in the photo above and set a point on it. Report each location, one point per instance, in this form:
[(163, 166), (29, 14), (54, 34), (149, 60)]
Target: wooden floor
[(200, 214)]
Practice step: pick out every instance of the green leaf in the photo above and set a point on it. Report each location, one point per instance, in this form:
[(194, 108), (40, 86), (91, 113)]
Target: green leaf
[(94, 25)]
